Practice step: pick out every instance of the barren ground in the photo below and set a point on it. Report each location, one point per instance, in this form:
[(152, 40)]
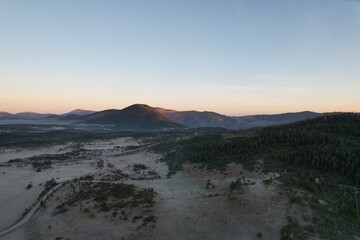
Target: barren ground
[(192, 204)]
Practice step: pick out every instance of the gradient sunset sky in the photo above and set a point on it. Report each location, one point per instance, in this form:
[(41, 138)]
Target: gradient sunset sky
[(233, 57)]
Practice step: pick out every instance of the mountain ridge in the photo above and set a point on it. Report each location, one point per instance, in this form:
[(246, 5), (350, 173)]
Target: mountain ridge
[(142, 116)]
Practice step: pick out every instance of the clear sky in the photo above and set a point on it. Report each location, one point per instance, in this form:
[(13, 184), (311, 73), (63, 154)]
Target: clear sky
[(234, 57)]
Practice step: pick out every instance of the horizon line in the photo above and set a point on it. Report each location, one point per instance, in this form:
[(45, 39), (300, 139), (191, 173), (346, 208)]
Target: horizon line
[(170, 109)]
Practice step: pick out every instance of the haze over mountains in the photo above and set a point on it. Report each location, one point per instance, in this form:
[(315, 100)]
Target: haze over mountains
[(144, 117)]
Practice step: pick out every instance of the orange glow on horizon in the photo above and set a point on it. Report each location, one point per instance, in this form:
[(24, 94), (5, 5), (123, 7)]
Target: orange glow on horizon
[(15, 104)]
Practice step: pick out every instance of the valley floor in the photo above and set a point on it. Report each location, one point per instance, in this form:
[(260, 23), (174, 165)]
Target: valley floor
[(191, 204)]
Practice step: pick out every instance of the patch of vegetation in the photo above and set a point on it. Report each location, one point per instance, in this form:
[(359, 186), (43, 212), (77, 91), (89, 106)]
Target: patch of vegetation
[(41, 165), (235, 185), (85, 178), (152, 173), (132, 147), (296, 200), (293, 231), (137, 167), (211, 151), (17, 160), (135, 218), (149, 219), (47, 187), (334, 206), (331, 143), (119, 198), (24, 136)]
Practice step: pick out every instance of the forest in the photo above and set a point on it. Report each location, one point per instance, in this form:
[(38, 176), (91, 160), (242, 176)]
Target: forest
[(328, 143)]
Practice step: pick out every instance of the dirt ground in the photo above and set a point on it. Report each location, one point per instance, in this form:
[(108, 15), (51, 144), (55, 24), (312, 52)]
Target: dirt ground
[(189, 210), (191, 204)]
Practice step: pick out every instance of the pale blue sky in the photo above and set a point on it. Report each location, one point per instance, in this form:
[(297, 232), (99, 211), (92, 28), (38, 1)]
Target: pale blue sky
[(234, 57)]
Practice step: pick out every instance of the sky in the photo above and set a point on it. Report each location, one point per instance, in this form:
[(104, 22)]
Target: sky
[(234, 57)]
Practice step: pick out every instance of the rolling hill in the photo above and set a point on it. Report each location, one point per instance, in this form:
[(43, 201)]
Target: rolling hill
[(195, 119)]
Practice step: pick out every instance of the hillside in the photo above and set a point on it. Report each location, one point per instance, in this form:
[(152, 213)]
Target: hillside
[(195, 119), (25, 115), (330, 143), (78, 112), (134, 117), (319, 162), (245, 122), (5, 115)]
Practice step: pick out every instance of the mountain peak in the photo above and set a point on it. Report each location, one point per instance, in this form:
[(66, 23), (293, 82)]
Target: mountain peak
[(79, 112), (136, 116), (139, 106)]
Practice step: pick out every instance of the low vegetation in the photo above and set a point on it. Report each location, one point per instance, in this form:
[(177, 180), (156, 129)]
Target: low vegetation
[(47, 187), (137, 167), (121, 199)]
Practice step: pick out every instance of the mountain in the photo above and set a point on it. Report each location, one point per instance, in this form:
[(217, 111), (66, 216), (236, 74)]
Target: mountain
[(274, 119), (78, 112), (143, 117), (195, 119), (134, 117), (69, 117), (32, 115), (165, 111), (45, 116), (25, 115), (74, 115), (5, 115)]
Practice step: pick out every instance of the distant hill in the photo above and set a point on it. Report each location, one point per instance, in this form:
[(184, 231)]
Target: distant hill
[(5, 115), (195, 119), (25, 115), (134, 117), (69, 117), (74, 115), (274, 119), (33, 115), (78, 112)]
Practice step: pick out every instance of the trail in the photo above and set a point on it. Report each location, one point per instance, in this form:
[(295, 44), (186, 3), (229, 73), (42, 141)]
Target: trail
[(37, 205)]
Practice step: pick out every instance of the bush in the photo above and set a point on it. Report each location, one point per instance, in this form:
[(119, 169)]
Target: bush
[(139, 166), (235, 185)]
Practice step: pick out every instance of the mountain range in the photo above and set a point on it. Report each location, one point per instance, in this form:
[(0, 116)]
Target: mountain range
[(144, 117)]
